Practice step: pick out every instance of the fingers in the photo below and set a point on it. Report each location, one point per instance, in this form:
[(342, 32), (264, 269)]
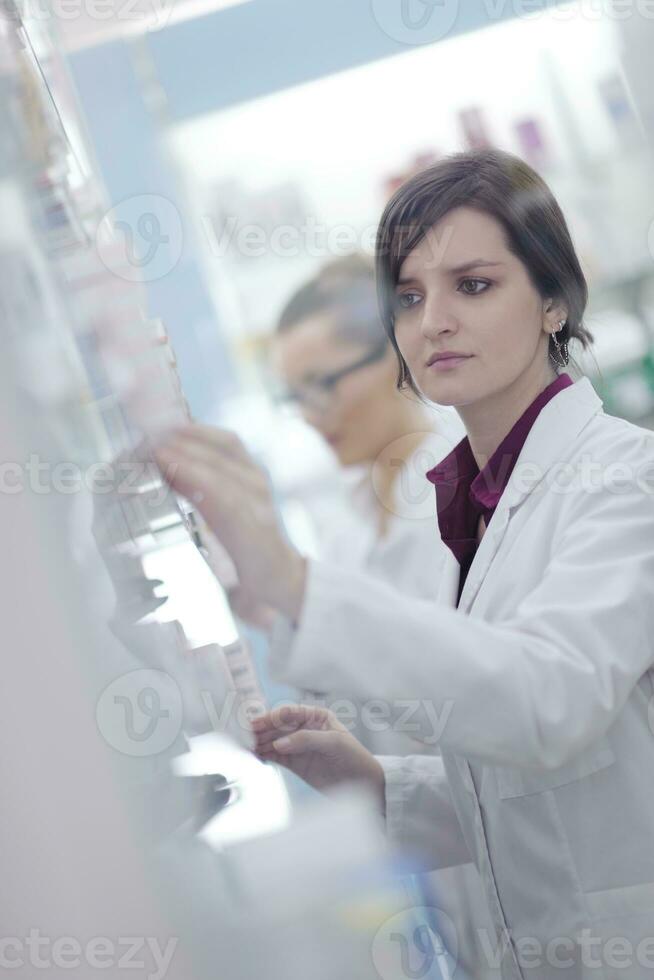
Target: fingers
[(211, 436), (217, 493), (305, 740), (208, 441), (266, 739), (288, 720), (183, 474), (291, 717), (202, 454), (212, 464), (195, 468)]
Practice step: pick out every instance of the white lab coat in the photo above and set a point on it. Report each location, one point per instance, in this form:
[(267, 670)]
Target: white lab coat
[(544, 679), (410, 556)]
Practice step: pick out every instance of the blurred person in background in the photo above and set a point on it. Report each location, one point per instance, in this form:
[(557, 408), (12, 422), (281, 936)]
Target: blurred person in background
[(339, 369)]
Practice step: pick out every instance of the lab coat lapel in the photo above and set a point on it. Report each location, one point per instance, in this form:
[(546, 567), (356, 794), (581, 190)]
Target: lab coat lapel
[(557, 425)]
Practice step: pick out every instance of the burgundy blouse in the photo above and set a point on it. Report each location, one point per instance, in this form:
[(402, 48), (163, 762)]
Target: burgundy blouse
[(464, 492)]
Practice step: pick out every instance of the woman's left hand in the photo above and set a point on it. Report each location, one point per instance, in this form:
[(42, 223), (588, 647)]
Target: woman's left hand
[(214, 471), (311, 742)]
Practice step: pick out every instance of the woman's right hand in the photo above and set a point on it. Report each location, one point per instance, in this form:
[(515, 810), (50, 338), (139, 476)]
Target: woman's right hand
[(312, 743)]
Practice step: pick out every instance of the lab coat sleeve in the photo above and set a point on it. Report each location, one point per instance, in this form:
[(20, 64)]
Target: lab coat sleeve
[(533, 690), (420, 817)]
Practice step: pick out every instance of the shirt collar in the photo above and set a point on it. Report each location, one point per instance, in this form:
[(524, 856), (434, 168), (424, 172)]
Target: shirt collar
[(463, 491)]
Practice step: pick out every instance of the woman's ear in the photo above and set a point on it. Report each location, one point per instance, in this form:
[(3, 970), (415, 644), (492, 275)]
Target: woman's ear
[(554, 314)]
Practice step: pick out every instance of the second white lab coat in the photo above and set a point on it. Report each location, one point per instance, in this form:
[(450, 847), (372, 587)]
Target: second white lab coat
[(544, 679), (410, 556)]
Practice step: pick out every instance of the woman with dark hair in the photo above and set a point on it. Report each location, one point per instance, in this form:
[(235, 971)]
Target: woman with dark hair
[(539, 656)]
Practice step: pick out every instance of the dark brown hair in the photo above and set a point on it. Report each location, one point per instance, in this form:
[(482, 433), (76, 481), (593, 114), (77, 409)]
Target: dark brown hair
[(345, 288), (508, 189)]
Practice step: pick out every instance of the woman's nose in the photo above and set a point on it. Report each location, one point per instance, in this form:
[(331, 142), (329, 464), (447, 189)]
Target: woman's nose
[(437, 319)]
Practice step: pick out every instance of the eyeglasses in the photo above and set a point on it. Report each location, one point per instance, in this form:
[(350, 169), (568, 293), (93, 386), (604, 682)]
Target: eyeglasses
[(318, 393)]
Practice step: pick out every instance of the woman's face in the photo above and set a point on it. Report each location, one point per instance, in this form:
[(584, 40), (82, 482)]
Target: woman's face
[(357, 415), (461, 290)]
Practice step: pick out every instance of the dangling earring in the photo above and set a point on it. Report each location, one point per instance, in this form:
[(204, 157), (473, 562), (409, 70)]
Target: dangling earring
[(562, 354)]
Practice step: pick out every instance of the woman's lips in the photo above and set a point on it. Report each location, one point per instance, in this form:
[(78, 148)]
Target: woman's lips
[(448, 363)]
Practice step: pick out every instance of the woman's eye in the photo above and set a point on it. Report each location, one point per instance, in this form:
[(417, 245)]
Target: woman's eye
[(477, 286), (404, 300)]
